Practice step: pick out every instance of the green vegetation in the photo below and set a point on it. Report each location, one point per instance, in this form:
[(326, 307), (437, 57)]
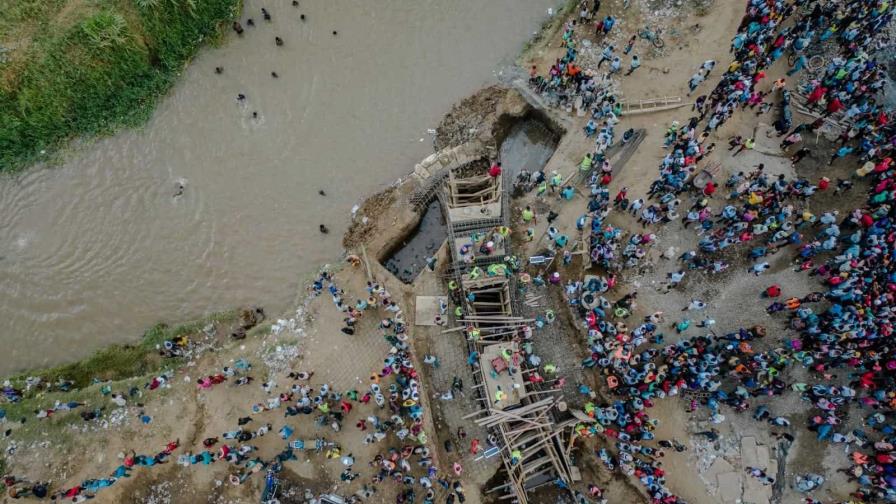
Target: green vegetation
[(57, 427), (119, 366), (119, 362), (87, 67), (549, 27)]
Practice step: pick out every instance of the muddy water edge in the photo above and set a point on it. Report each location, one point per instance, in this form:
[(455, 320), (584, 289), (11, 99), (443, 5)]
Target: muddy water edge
[(102, 245)]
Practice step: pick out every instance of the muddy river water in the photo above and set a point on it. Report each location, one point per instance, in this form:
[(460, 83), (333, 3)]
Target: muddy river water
[(98, 248)]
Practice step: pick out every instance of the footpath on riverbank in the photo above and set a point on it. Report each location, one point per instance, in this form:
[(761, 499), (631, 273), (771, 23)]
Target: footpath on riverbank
[(571, 339)]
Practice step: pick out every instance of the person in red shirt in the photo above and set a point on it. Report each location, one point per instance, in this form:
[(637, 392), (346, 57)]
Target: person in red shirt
[(834, 106), (816, 95), (824, 183), (73, 492), (495, 170), (621, 195), (130, 459), (709, 189), (773, 291)]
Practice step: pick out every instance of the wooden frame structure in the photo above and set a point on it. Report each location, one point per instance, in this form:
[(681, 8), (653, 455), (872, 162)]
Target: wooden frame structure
[(525, 422), (491, 298), (533, 448), (633, 107), (472, 202), (475, 190)]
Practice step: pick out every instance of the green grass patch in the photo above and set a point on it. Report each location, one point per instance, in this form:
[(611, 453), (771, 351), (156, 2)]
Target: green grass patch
[(120, 362), (57, 428), (549, 27), (87, 67), (118, 366)]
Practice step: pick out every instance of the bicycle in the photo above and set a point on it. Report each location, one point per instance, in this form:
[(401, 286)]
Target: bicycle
[(653, 37), (814, 58)]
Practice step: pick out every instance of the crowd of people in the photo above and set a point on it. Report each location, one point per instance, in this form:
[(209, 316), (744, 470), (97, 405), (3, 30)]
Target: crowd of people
[(842, 330), (396, 422), (839, 333)]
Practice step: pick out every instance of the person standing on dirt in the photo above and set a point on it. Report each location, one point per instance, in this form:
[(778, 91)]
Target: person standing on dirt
[(587, 162), (747, 145), (797, 65), (695, 81), (607, 25), (798, 156), (791, 139), (630, 44), (841, 153), (759, 268), (529, 215), (556, 181), (634, 65), (606, 55), (584, 13)]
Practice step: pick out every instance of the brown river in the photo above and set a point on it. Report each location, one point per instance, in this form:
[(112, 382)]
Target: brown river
[(98, 248)]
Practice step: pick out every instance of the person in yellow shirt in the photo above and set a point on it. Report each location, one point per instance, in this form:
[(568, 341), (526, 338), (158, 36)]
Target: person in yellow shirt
[(586, 163), (747, 145), (556, 181), (529, 215), (500, 395)]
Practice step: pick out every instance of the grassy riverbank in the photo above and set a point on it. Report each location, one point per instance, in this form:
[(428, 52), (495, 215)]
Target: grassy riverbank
[(79, 67), (124, 361), (548, 29), (120, 367)]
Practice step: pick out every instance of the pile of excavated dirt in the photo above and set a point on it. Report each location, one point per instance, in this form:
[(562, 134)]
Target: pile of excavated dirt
[(467, 119), (364, 220)]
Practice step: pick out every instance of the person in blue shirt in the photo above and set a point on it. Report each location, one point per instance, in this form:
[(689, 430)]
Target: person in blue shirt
[(608, 24), (797, 65)]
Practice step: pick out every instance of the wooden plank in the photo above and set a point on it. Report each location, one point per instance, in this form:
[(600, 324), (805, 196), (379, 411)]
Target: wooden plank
[(474, 414), (535, 464), (366, 263)]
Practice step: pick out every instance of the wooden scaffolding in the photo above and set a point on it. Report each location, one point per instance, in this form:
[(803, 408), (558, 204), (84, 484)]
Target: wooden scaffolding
[(491, 297), (475, 190), (533, 448), (532, 443), (473, 202)]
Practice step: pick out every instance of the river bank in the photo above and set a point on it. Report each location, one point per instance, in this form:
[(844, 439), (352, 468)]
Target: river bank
[(77, 233), (65, 448), (312, 338), (77, 70)]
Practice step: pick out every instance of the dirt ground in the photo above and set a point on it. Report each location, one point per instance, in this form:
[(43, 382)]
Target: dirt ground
[(68, 451), (732, 295)]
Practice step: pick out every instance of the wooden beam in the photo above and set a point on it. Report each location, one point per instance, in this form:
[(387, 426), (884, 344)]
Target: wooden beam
[(366, 263)]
